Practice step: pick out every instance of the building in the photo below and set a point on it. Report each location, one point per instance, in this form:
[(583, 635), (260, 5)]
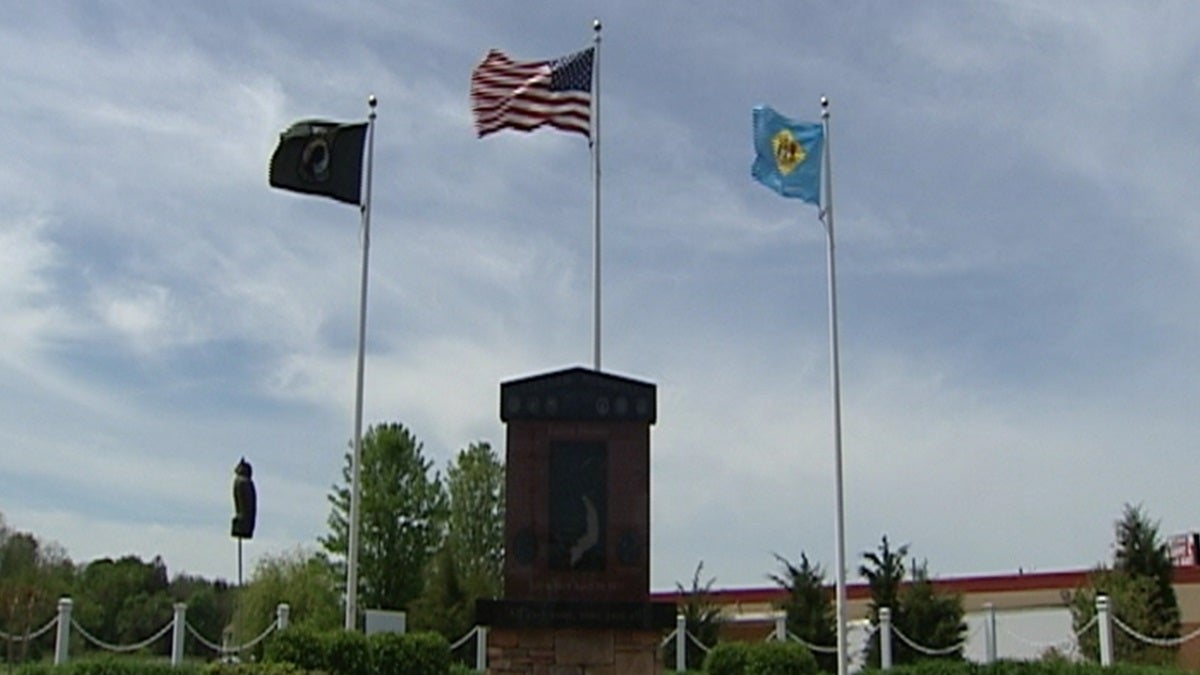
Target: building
[(1031, 609)]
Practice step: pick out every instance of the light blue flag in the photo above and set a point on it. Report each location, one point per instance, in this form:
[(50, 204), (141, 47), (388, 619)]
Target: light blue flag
[(788, 155)]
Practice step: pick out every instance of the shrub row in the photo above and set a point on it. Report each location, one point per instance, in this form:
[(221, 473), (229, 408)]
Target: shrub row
[(351, 653), (769, 658), (1043, 667)]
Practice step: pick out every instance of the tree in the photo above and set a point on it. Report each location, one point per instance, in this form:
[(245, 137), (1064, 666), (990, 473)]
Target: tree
[(884, 572), (809, 607), (1142, 553), (118, 601), (210, 606), (475, 483), (930, 618), (303, 579), (470, 563), (1139, 590), (402, 517), (32, 578), (701, 620), (925, 616)]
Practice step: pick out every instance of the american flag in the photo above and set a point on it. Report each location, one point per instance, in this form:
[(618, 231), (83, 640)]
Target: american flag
[(527, 95)]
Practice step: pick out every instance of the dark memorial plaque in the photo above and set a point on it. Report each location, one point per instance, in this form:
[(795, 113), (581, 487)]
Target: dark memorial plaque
[(578, 505)]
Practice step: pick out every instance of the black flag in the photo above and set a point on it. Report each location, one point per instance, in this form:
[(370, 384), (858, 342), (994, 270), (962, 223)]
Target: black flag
[(321, 158)]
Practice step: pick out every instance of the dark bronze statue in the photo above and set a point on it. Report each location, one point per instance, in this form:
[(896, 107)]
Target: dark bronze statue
[(245, 501)]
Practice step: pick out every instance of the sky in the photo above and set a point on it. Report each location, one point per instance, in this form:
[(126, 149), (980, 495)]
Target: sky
[(1017, 259)]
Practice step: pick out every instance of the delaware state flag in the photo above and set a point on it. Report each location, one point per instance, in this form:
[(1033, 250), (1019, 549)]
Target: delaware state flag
[(787, 155)]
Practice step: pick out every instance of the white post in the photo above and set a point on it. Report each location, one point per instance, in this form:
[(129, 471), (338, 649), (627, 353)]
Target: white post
[(282, 613), (780, 634), (680, 643), (1104, 621), (885, 638), (178, 632), (989, 631), (481, 644), (62, 637)]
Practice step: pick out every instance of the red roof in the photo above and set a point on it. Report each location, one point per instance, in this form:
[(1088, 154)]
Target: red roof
[(1004, 583)]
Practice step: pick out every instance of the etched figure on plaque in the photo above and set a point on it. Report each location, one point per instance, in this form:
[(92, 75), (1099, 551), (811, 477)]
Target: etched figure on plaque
[(578, 505)]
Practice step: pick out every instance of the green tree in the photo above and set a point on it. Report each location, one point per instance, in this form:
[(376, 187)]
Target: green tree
[(117, 600), (1139, 590), (930, 618), (809, 607), (209, 608), (32, 578), (303, 579), (402, 517), (475, 483), (925, 616), (701, 619), (884, 571), (1142, 553), (469, 565), (447, 604)]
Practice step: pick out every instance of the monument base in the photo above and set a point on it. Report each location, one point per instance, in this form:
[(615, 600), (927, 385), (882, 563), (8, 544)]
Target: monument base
[(574, 651), (575, 638)]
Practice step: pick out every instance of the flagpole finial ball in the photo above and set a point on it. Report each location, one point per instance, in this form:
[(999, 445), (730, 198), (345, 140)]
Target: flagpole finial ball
[(824, 101), (372, 101), (596, 25)]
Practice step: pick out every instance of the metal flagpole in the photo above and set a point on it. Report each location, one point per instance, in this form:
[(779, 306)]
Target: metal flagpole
[(839, 525), (594, 142), (355, 488)]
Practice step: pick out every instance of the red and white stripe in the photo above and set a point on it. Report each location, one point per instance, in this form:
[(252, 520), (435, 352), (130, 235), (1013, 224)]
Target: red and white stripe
[(517, 95)]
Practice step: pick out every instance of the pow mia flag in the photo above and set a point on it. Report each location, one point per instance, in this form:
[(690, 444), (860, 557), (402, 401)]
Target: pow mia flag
[(321, 158)]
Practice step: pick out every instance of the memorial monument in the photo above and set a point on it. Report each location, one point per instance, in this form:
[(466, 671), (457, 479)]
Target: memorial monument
[(577, 530)]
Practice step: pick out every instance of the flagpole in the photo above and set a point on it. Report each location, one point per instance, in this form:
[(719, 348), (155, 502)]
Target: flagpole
[(839, 524), (355, 469), (594, 142)]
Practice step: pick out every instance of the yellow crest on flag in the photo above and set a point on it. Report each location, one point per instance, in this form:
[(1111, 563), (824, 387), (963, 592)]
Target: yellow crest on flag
[(789, 154)]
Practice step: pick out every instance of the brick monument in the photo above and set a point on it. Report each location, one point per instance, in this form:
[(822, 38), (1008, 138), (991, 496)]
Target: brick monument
[(577, 530)]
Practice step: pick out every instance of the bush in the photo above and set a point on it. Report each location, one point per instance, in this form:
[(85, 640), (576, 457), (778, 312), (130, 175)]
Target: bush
[(409, 654), (727, 658), (278, 668), (771, 658), (781, 658), (109, 664), (342, 652), (299, 646), (346, 653)]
